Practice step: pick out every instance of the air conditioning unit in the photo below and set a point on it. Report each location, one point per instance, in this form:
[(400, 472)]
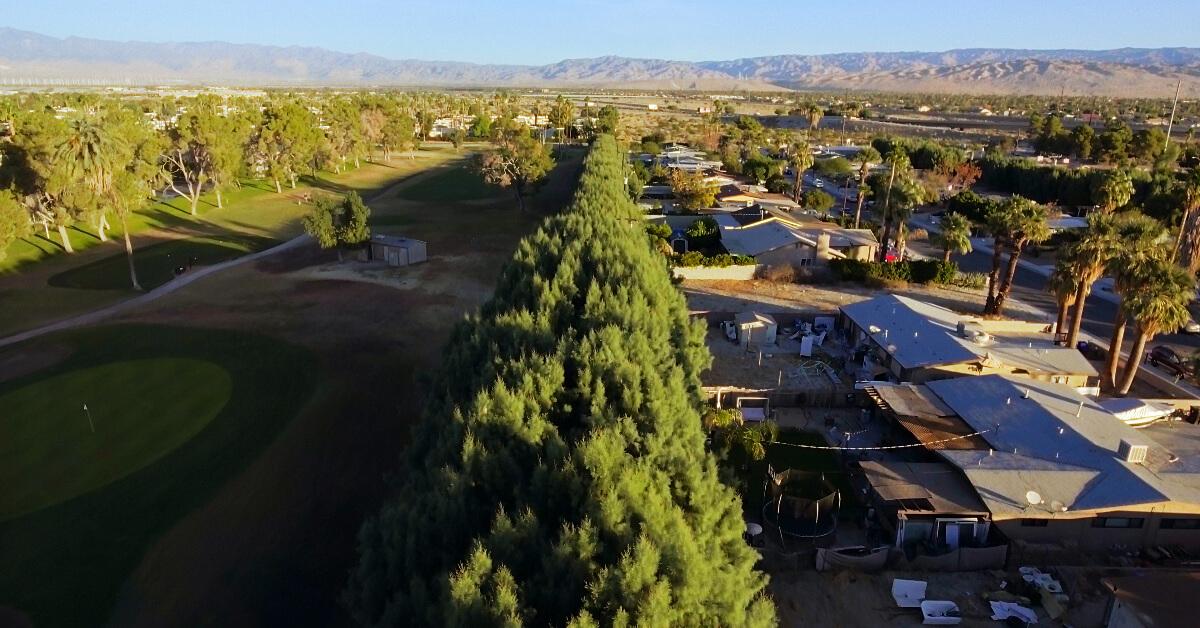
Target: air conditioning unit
[(1132, 453)]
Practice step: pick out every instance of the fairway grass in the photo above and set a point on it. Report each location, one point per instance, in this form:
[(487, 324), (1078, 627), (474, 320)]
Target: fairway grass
[(198, 405), (453, 185), (140, 409), (156, 264)]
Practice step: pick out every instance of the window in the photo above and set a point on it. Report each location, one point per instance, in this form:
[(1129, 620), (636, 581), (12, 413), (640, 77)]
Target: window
[(805, 261), (1034, 523), (1179, 524), (1117, 522)]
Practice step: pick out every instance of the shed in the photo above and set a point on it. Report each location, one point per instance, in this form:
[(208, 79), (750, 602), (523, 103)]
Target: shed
[(397, 251), (756, 327)]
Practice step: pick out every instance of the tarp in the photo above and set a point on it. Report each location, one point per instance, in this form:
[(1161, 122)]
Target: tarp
[(1137, 412)]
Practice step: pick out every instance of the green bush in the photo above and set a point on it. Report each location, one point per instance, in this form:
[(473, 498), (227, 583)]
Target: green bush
[(850, 269), (946, 273), (916, 271), (721, 260), (973, 281)]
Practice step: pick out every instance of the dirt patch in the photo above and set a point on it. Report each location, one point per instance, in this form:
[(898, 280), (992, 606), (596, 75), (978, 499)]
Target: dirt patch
[(273, 547), (25, 361), (738, 296)]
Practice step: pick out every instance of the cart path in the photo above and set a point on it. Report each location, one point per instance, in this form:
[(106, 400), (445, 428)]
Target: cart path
[(94, 316)]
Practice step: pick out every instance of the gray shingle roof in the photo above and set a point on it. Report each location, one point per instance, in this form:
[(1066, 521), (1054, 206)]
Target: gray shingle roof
[(1039, 444), (921, 334)]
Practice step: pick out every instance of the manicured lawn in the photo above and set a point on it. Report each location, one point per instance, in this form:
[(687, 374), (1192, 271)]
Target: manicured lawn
[(252, 209), (156, 264), (197, 407), (141, 410), (455, 184)]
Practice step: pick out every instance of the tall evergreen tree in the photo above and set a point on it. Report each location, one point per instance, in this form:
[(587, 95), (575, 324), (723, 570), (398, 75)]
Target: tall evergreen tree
[(560, 475)]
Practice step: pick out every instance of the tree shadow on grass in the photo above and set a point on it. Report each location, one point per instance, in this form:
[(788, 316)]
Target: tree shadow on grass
[(84, 549)]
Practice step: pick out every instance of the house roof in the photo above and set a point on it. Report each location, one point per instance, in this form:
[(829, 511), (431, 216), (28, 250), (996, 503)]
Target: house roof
[(840, 238), (1063, 446), (918, 334), (388, 240), (906, 482), (747, 318), (765, 235)]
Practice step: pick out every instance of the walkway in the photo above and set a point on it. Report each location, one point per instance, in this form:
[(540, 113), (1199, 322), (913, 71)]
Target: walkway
[(96, 316)]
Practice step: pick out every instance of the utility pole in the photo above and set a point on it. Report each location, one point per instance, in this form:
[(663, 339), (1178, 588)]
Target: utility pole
[(1171, 122)]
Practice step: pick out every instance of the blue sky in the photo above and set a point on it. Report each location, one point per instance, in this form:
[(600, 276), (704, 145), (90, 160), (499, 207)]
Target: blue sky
[(541, 31)]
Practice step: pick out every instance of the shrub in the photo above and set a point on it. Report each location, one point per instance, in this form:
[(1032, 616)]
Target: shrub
[(916, 271), (691, 258), (973, 281), (850, 269), (783, 273)]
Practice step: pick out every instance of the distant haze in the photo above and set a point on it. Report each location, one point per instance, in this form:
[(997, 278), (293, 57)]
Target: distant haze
[(27, 57)]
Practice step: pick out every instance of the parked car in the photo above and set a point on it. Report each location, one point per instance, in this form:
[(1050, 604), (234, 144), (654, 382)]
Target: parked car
[(1190, 327), (819, 183), (1165, 358), (1091, 350)]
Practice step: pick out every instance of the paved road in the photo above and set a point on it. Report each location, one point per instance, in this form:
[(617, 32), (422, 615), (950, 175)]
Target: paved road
[(1029, 286)]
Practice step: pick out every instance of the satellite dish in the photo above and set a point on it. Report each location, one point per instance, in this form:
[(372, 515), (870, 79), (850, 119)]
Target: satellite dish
[(1033, 497), (874, 329), (1058, 506), (753, 529)]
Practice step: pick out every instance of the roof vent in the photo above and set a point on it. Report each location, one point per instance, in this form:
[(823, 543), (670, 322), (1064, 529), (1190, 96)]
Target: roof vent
[(1134, 454)]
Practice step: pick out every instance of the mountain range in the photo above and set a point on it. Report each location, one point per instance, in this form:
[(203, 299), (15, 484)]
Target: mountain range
[(27, 57)]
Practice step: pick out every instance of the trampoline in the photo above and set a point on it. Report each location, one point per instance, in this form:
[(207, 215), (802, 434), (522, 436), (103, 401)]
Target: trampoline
[(800, 504)]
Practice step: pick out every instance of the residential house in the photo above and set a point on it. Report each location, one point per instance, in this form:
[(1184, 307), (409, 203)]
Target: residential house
[(1051, 465), (906, 340), (774, 241)]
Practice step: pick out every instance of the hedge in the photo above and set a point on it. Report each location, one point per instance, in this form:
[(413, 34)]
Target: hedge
[(915, 271)]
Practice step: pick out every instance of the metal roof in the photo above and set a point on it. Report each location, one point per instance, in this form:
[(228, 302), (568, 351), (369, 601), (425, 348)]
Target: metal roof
[(1048, 438), (918, 334), (937, 482), (388, 240)]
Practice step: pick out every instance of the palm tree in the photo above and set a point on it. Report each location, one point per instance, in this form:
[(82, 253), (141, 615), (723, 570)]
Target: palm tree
[(800, 159), (1020, 222), (1189, 225), (1089, 256), (1113, 190), (956, 235), (1063, 284), (815, 113), (1139, 236), (865, 157), (1159, 303), (736, 438), (87, 155), (897, 161)]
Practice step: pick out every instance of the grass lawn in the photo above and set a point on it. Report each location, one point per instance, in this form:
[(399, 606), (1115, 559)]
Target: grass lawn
[(142, 409), (178, 412), (252, 209), (156, 264), (453, 185)]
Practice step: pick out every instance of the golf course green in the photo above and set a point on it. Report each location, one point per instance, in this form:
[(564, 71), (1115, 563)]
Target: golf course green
[(177, 412), (68, 434)]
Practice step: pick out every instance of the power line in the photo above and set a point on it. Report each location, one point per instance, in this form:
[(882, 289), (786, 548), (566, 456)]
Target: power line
[(883, 447)]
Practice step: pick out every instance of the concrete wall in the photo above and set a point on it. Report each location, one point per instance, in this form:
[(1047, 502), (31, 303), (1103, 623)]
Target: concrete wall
[(1090, 538), (707, 273), (946, 371)]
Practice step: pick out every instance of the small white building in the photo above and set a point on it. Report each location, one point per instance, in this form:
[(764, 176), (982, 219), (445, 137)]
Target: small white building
[(757, 328), (397, 251)]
